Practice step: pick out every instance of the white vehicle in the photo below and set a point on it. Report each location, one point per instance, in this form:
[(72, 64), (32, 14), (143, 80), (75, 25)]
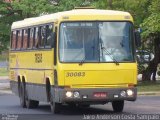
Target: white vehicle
[(144, 56)]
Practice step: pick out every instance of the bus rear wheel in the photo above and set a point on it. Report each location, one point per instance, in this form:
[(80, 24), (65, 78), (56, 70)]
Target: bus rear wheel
[(118, 106), (30, 103), (55, 107), (22, 95)]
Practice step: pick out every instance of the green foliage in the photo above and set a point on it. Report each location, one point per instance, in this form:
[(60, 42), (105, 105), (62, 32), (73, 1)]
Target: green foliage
[(137, 8), (144, 12), (4, 57), (64, 5), (151, 25), (100, 4), (148, 86), (141, 68), (20, 9), (31, 8)]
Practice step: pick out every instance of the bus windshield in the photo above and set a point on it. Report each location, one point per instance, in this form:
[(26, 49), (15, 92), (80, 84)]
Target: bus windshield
[(96, 42)]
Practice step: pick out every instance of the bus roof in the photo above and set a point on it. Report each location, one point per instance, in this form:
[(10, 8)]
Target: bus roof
[(73, 15)]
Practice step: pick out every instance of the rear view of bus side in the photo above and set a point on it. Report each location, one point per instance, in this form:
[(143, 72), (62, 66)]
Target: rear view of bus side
[(79, 57)]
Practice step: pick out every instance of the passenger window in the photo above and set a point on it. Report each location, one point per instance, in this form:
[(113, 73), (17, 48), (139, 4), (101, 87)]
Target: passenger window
[(11, 39), (28, 38), (22, 38), (31, 38), (49, 35), (19, 36), (13, 42), (25, 39), (42, 36), (36, 44), (34, 36)]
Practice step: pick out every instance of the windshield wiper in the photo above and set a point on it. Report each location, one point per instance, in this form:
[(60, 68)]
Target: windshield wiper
[(82, 61), (108, 53)]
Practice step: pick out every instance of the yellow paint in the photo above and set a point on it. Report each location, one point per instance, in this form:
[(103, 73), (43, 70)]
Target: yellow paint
[(97, 75), (27, 65)]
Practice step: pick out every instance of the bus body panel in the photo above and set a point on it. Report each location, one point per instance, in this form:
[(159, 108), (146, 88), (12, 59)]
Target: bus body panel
[(35, 67), (98, 74)]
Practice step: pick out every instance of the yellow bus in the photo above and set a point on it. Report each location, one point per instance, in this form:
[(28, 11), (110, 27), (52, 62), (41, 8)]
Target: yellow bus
[(78, 57)]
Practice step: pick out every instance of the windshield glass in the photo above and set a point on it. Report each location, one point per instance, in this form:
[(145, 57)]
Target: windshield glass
[(96, 42)]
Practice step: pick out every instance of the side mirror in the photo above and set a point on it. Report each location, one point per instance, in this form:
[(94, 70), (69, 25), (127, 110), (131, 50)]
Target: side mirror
[(137, 39), (53, 40)]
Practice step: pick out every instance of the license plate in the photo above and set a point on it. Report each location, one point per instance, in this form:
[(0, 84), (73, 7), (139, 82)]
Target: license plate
[(100, 95)]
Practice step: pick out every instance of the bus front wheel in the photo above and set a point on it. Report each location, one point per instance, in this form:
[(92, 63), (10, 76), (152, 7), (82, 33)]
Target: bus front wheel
[(118, 105), (55, 107), (84, 105)]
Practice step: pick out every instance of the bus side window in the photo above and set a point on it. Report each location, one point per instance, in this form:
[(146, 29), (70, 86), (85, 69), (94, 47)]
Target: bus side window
[(25, 37), (36, 44), (34, 36), (16, 38), (22, 38), (42, 36), (49, 35), (11, 38), (28, 38), (31, 38), (13, 43), (19, 35)]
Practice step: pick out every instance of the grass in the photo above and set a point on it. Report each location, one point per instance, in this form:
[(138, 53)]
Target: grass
[(3, 72), (148, 86), (3, 57)]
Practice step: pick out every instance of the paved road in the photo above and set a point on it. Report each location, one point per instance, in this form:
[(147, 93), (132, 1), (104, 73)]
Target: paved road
[(9, 104), (3, 64), (4, 83)]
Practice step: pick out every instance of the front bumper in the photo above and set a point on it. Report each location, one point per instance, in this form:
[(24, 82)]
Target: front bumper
[(112, 94)]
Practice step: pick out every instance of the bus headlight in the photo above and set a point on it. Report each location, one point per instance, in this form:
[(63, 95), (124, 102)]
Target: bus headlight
[(76, 94), (69, 94), (123, 93), (130, 92)]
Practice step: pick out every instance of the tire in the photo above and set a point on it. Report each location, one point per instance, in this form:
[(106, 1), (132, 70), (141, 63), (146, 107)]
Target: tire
[(84, 105), (55, 107), (22, 95), (30, 103), (118, 106), (72, 105)]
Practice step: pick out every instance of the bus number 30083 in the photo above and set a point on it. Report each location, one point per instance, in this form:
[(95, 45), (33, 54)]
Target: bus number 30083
[(75, 74)]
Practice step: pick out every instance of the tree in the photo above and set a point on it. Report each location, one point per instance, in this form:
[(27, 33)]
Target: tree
[(5, 22), (20, 9), (137, 8), (151, 27), (64, 5)]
